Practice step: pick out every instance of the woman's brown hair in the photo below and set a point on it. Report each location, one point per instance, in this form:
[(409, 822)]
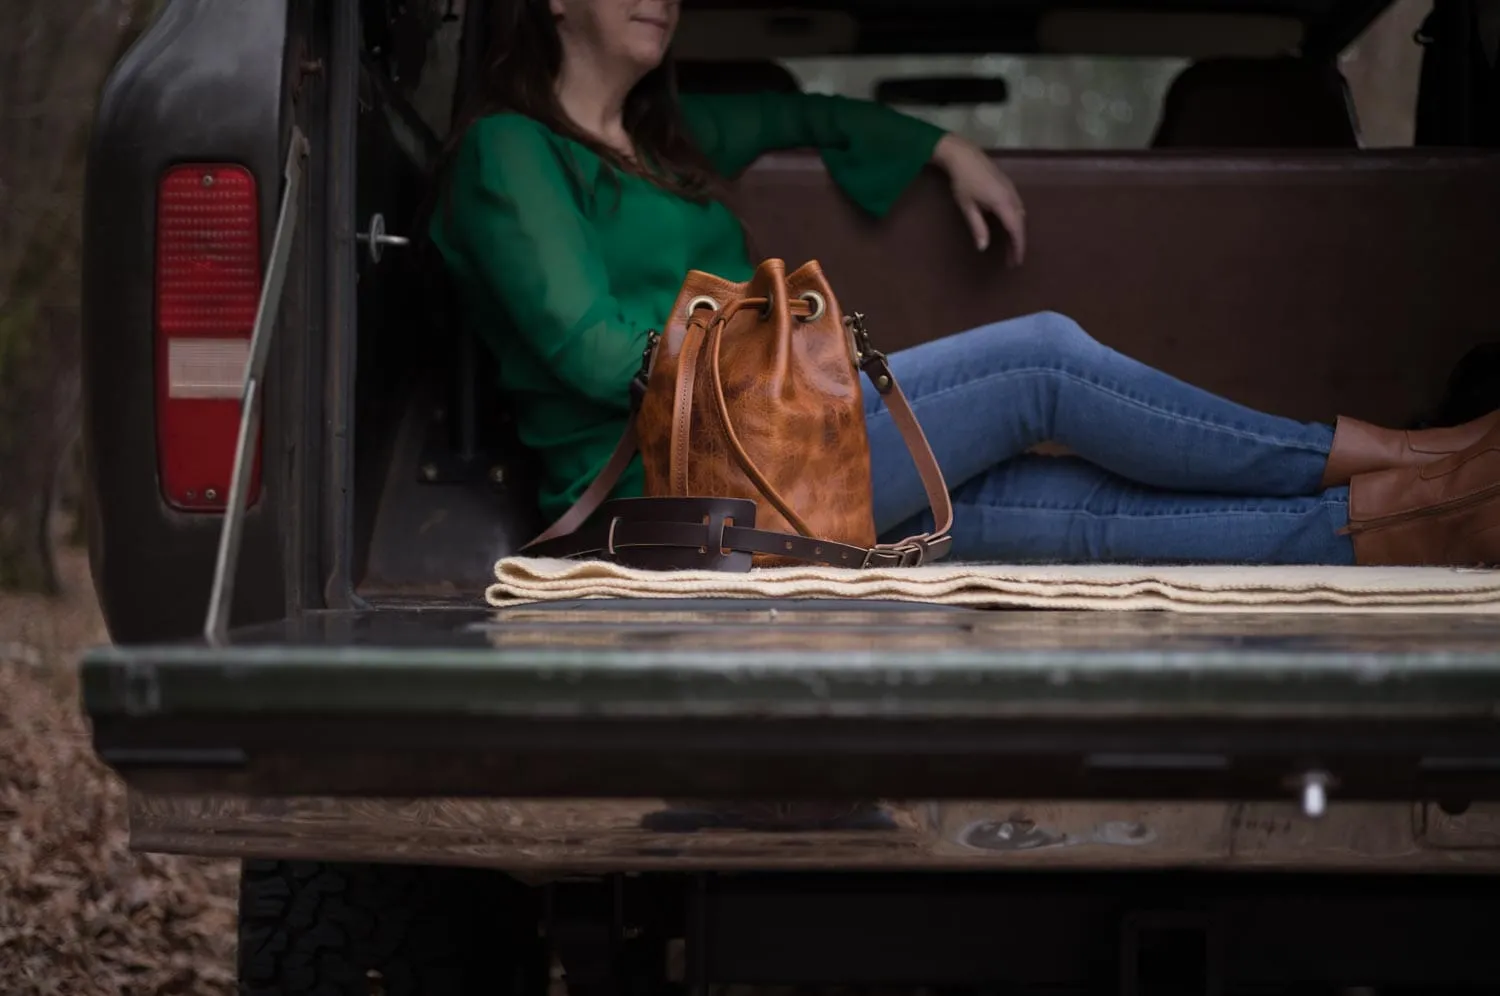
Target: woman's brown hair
[(519, 75)]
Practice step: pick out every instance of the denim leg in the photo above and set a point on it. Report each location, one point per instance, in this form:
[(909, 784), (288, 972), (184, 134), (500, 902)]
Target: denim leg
[(1065, 510), (986, 395)]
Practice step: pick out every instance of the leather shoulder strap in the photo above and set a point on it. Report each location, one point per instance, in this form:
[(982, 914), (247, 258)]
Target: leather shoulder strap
[(879, 372), (596, 493)]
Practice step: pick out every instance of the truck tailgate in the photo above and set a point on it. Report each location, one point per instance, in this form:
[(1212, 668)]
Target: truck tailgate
[(810, 699)]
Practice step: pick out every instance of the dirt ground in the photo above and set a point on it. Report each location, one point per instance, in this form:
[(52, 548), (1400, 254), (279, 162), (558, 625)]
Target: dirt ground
[(80, 914)]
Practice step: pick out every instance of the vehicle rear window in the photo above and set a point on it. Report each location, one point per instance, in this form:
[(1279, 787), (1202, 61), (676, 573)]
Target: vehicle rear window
[(1055, 102)]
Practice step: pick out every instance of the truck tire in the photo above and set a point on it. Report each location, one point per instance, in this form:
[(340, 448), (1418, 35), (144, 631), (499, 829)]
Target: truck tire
[(325, 929)]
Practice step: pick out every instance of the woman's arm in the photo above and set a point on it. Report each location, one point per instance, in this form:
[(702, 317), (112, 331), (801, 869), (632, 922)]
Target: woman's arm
[(979, 186), (872, 151), (516, 225)]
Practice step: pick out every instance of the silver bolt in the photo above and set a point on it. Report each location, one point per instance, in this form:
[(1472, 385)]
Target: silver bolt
[(429, 471), (1314, 794), (209, 494), (497, 475), (208, 179), (191, 495)]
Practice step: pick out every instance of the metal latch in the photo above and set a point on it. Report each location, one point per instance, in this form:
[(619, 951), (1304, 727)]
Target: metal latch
[(377, 238)]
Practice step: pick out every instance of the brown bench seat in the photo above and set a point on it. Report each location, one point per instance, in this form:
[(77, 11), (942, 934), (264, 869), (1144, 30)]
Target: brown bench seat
[(1305, 284)]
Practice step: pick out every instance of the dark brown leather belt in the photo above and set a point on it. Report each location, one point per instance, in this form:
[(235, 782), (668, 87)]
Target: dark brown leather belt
[(715, 534)]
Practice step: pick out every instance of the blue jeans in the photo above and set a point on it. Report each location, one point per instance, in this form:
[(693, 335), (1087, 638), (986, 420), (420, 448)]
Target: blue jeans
[(1164, 472)]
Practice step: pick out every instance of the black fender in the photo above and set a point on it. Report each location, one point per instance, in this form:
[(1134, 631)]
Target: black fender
[(204, 82)]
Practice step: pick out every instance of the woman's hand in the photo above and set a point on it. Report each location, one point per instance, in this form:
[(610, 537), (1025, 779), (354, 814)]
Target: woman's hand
[(980, 186)]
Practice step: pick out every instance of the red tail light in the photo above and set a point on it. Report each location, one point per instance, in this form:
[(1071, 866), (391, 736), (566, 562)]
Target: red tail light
[(207, 289)]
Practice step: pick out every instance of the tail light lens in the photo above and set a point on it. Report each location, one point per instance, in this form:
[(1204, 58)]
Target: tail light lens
[(207, 288)]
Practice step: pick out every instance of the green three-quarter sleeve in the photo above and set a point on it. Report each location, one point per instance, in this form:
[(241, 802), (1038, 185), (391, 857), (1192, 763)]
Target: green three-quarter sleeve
[(517, 224), (872, 152)]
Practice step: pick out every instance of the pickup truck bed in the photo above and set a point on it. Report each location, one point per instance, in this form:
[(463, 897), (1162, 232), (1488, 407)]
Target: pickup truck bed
[(808, 699), (546, 738)]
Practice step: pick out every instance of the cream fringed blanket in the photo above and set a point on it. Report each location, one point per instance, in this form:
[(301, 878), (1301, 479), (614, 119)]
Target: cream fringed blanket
[(996, 586)]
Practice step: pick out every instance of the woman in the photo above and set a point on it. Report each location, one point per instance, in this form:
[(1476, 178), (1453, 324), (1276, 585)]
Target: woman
[(580, 191)]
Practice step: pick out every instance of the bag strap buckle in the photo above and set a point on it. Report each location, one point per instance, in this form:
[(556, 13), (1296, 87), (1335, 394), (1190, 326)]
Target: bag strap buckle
[(642, 377), (908, 553)]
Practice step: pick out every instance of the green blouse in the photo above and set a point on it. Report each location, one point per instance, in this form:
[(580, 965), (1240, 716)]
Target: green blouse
[(562, 272)]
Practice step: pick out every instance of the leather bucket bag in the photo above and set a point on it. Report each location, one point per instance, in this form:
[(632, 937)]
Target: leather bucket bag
[(748, 416)]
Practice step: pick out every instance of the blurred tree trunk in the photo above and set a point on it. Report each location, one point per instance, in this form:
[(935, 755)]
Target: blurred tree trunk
[(53, 59), (38, 402)]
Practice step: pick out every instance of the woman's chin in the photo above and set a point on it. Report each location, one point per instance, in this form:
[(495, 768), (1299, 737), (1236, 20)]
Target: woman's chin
[(646, 57)]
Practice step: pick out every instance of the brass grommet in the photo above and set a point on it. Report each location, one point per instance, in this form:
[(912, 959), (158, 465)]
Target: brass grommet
[(817, 301), (701, 301)]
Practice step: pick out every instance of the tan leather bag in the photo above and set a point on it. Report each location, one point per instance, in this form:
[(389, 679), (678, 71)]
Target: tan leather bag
[(750, 424)]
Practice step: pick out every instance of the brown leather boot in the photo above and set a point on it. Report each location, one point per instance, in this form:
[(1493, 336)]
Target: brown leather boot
[(1361, 448), (1442, 513)]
